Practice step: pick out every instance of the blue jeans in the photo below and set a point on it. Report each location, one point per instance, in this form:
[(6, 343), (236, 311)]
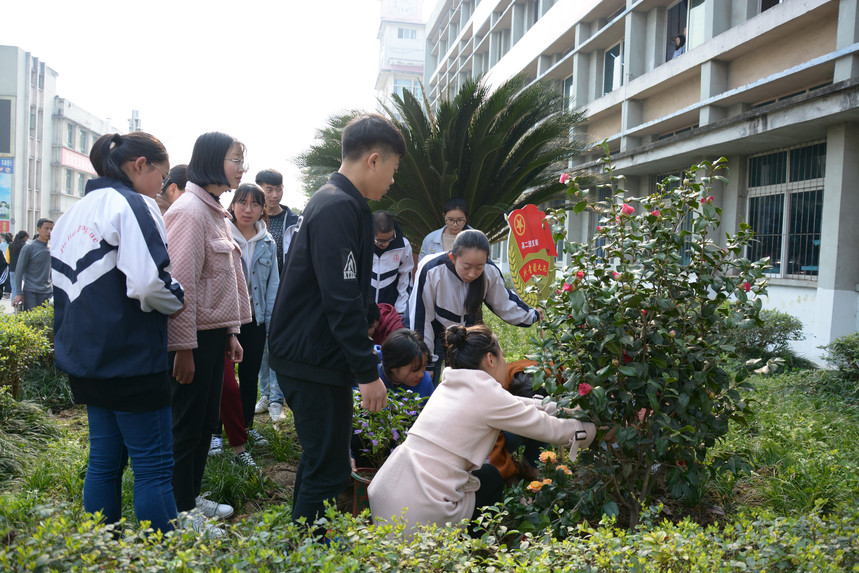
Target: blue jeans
[(147, 437), (268, 385)]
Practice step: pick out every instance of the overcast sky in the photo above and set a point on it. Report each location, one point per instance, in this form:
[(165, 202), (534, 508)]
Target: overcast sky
[(267, 72)]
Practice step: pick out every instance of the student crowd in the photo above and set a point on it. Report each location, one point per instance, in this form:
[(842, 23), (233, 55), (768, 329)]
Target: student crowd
[(160, 291)]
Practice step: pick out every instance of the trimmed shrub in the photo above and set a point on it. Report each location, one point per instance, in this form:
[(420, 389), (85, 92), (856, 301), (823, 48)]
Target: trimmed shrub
[(843, 355), (21, 346), (772, 337)]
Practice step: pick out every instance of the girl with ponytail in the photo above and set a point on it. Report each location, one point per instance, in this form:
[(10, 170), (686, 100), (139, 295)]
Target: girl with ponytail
[(451, 288), (113, 293), (439, 475)]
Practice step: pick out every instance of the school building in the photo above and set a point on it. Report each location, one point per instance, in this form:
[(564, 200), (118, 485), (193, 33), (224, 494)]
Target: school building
[(771, 85)]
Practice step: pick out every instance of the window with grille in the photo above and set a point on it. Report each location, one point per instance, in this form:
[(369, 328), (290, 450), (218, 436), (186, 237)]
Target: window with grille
[(785, 209), (688, 218)]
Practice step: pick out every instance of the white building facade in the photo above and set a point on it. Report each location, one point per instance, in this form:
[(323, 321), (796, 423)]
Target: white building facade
[(45, 142), (401, 49), (771, 85)]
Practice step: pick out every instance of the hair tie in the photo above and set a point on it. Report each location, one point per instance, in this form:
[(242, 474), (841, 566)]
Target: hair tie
[(116, 139)]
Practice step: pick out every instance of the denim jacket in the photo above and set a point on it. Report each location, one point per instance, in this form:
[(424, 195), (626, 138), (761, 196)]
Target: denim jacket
[(263, 273)]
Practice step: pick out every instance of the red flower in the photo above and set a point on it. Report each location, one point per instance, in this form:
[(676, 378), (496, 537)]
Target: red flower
[(627, 210), (626, 357), (567, 287), (599, 228), (617, 219), (656, 213), (615, 274), (564, 178), (707, 200), (644, 312), (746, 286), (585, 389), (580, 275)]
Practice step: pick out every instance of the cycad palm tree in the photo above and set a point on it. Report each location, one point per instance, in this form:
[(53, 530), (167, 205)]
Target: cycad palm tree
[(497, 150)]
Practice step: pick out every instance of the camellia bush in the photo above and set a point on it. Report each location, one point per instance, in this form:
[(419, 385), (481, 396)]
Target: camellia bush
[(637, 336)]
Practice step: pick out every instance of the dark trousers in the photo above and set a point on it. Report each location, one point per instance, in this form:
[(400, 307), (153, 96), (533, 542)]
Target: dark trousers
[(35, 299), (323, 422), (252, 339), (196, 408), (490, 492)]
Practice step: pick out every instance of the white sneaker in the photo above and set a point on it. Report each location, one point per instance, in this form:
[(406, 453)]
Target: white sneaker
[(213, 508), (195, 520), (261, 406), (216, 446), (275, 411), (256, 438)]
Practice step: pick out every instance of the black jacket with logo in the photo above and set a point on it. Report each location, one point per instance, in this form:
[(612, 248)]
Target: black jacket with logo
[(319, 322)]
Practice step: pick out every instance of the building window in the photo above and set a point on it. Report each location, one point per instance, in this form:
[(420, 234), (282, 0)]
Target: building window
[(32, 121), (70, 135), (613, 71), (676, 27), (785, 209), (68, 180), (83, 142), (767, 4), (569, 94), (81, 183), (697, 24), (407, 34), (410, 84)]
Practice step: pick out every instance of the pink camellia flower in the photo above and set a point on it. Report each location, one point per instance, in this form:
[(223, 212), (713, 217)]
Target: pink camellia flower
[(615, 274), (564, 178), (656, 213), (599, 228), (580, 275), (567, 287), (746, 286), (627, 210), (710, 199), (585, 389), (702, 200), (644, 312), (617, 219)]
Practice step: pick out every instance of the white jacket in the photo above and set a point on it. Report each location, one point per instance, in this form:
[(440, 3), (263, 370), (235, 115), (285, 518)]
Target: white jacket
[(429, 475), (391, 280)]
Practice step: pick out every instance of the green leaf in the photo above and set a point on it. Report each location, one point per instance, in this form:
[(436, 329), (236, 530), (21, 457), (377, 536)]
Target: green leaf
[(580, 207)]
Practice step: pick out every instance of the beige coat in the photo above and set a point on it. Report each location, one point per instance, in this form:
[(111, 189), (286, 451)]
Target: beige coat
[(207, 262), (429, 475)]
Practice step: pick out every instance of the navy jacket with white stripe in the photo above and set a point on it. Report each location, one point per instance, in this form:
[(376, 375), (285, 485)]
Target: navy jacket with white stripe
[(112, 285)]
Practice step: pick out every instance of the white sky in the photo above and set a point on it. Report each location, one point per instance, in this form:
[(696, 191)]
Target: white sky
[(267, 72)]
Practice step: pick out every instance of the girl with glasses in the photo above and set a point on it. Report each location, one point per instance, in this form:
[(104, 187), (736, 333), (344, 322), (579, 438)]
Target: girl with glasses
[(455, 213), (208, 264)]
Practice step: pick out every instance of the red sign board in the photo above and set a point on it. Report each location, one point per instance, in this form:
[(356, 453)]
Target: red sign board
[(76, 161)]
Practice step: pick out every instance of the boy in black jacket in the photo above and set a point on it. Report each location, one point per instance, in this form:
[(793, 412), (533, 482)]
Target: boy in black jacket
[(318, 344)]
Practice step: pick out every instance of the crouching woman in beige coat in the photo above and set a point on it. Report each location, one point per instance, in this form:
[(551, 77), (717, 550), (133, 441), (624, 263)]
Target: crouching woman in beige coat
[(440, 473)]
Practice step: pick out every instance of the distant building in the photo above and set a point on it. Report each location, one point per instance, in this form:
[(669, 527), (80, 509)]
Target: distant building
[(771, 85), (75, 130), (401, 49), (44, 143)]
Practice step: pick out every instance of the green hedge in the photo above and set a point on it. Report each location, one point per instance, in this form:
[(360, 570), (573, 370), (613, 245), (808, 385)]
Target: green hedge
[(65, 540), (25, 339)]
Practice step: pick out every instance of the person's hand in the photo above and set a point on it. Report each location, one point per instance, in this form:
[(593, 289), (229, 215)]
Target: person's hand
[(374, 395), (183, 366), (19, 298), (540, 315), (352, 463), (234, 349)]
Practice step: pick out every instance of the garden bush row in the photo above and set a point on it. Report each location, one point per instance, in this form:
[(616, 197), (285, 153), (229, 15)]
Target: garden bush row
[(756, 540)]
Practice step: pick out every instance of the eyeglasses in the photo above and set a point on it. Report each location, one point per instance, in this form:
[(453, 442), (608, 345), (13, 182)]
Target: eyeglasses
[(449, 221), (165, 175), (241, 165), (249, 204), (383, 242)]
